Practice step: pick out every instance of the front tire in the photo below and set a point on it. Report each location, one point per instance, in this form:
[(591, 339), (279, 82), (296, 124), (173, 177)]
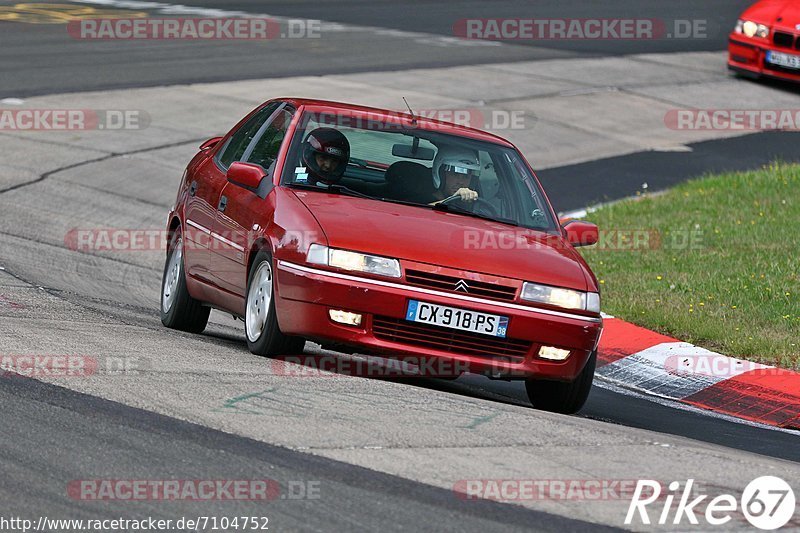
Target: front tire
[(178, 309), (264, 337), (562, 397)]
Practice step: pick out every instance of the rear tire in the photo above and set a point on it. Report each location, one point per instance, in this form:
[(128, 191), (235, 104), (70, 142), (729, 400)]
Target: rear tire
[(178, 309), (562, 397), (264, 337)]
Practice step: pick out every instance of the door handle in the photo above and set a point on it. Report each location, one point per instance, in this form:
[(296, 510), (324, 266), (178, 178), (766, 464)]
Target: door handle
[(223, 203), (193, 188)]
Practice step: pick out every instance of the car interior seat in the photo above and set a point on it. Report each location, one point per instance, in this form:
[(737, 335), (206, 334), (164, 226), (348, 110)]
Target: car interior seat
[(410, 182)]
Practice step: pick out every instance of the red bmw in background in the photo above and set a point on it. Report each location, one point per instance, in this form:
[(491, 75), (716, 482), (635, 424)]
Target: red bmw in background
[(766, 41), (385, 233)]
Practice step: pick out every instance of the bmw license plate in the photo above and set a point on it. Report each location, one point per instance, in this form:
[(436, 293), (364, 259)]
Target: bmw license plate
[(783, 60), (454, 318)]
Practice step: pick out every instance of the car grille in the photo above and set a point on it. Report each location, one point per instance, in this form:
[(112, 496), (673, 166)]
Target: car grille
[(449, 340), (449, 283), (787, 40)]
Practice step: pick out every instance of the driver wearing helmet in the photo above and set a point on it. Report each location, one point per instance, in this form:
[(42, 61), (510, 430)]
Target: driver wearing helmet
[(455, 174), (326, 152)]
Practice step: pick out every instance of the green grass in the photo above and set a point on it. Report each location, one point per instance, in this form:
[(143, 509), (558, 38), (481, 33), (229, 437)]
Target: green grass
[(735, 288)]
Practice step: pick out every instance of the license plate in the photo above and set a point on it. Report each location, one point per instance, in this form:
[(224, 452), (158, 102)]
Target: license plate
[(783, 60), (454, 318)]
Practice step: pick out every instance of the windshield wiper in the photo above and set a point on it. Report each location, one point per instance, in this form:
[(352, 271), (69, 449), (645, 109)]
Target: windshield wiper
[(343, 189), (338, 189), (452, 209)]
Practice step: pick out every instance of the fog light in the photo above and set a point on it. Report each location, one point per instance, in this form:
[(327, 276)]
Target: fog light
[(554, 354), (345, 317)]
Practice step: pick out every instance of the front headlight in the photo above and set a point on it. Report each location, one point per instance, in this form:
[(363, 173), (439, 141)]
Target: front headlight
[(566, 298), (355, 261), (752, 29)]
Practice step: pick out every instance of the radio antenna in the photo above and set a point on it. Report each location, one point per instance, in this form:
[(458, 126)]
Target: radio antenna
[(413, 116)]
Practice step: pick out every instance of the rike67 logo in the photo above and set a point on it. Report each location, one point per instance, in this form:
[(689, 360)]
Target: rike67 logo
[(767, 503)]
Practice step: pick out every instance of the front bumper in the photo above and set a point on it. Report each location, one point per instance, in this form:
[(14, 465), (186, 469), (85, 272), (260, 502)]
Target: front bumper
[(304, 295), (748, 57)]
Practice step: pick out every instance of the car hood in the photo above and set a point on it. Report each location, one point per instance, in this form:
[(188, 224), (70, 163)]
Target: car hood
[(769, 11), (445, 239)]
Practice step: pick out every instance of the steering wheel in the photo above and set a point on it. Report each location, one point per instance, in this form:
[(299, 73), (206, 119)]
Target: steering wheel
[(486, 208), (481, 206)]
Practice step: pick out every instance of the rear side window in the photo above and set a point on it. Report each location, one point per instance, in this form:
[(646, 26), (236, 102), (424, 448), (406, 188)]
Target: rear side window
[(265, 150), (237, 144)]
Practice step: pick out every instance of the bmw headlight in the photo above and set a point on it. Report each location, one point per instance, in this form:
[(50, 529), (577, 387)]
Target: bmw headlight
[(752, 29), (355, 261), (566, 298)]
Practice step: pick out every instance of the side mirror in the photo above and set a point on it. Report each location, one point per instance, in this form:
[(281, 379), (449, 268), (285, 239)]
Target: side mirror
[(246, 175), (211, 143), (580, 233)]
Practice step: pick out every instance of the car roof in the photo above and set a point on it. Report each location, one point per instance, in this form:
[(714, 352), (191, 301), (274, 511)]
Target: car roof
[(422, 122)]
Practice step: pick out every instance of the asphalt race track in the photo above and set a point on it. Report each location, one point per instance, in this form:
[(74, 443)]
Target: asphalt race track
[(383, 454), (368, 36), (98, 434)]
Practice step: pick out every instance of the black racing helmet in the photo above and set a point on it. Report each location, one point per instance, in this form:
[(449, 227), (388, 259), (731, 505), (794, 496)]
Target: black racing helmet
[(330, 143)]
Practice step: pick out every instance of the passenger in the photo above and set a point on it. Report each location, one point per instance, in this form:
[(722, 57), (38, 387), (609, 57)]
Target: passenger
[(326, 152)]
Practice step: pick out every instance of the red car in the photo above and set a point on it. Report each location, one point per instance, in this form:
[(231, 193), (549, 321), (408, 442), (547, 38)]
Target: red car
[(766, 41), (389, 234)]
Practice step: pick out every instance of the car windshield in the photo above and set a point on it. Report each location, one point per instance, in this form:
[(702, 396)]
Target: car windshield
[(395, 163)]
